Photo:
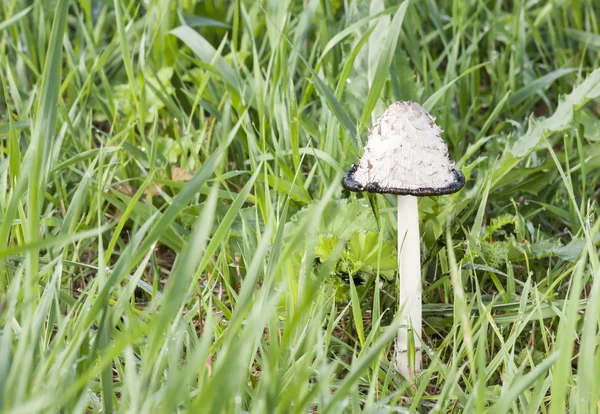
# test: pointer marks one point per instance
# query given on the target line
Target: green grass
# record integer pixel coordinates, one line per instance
(174, 235)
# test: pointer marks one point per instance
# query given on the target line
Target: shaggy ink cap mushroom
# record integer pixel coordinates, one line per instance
(405, 155)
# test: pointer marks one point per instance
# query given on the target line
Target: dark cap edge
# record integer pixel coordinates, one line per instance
(351, 184)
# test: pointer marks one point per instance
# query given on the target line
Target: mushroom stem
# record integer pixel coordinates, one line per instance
(409, 266)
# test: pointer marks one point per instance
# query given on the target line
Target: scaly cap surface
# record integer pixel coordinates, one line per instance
(405, 155)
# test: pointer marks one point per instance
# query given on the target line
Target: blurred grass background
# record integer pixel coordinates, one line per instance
(174, 236)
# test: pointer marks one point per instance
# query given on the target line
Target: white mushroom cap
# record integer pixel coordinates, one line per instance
(405, 154)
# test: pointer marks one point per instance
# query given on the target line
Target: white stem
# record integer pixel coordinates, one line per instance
(409, 265)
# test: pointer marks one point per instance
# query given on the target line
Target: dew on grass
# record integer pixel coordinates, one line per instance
(237, 400)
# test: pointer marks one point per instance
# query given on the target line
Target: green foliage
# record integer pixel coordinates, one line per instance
(124, 95)
(174, 236)
(349, 243)
(362, 259)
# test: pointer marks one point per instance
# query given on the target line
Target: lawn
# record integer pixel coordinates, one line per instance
(175, 237)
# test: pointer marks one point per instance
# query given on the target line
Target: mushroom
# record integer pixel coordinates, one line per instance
(405, 155)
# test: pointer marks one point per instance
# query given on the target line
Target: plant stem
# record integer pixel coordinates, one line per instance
(409, 266)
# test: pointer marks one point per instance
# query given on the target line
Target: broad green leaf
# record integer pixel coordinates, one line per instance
(561, 118)
(537, 85)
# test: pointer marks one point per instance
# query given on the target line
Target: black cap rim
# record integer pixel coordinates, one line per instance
(351, 184)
